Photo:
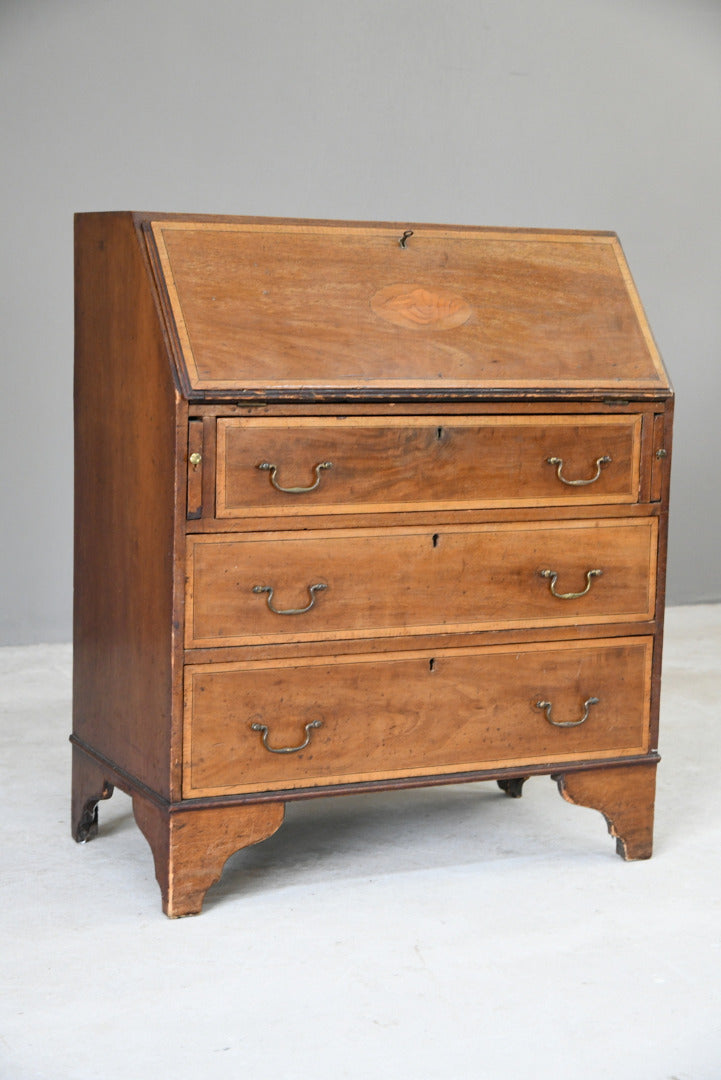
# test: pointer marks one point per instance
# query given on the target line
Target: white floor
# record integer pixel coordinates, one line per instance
(449, 932)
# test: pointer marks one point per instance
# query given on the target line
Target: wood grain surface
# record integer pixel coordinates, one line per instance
(259, 305)
(129, 432)
(416, 581)
(405, 714)
(409, 463)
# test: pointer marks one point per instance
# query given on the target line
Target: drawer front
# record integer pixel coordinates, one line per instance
(367, 718)
(412, 463)
(370, 583)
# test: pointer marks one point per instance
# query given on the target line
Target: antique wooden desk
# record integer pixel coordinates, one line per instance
(359, 507)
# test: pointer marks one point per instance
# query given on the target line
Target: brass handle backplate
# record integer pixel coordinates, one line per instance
(273, 470)
(286, 749)
(552, 576)
(546, 706)
(268, 590)
(558, 462)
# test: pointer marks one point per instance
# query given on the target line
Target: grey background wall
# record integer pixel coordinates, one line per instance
(553, 113)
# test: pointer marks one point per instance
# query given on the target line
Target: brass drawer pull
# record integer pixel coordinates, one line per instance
(600, 462)
(286, 749)
(546, 706)
(273, 470)
(268, 589)
(552, 575)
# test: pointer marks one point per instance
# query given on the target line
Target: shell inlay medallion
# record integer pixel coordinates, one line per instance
(418, 307)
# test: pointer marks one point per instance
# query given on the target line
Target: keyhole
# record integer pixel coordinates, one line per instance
(439, 433)
(435, 539)
(431, 664)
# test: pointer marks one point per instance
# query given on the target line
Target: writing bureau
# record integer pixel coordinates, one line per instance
(360, 507)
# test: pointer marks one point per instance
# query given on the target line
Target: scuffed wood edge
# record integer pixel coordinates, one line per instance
(625, 797)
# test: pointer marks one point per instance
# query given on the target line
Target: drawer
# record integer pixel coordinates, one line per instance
(366, 718)
(413, 463)
(382, 582)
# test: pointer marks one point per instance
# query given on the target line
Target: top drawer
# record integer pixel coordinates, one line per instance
(376, 464)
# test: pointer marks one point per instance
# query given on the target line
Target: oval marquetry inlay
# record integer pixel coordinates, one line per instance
(418, 307)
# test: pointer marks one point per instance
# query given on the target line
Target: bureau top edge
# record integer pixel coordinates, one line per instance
(424, 398)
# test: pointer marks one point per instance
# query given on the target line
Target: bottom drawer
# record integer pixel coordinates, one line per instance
(375, 717)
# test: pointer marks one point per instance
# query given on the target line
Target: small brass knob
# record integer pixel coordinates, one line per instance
(195, 459)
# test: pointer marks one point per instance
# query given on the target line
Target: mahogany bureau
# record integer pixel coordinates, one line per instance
(360, 507)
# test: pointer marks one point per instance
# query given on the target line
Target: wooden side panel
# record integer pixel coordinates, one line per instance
(660, 460)
(384, 582)
(412, 714)
(663, 431)
(125, 506)
(195, 469)
(412, 463)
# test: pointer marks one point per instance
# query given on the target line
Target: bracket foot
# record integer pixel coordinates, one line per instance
(90, 785)
(190, 847)
(513, 787)
(624, 794)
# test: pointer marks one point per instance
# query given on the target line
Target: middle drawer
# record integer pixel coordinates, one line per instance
(328, 585)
